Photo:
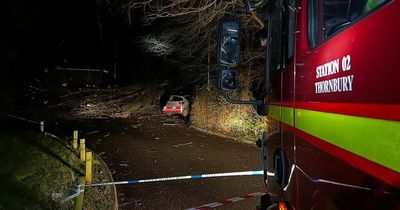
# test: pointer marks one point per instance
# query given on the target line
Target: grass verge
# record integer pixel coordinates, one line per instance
(38, 171)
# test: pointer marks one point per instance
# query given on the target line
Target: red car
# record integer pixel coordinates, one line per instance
(177, 105)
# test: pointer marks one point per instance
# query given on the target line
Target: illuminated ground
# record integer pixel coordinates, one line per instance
(152, 145)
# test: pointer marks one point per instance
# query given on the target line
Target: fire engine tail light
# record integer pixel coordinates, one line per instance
(282, 205)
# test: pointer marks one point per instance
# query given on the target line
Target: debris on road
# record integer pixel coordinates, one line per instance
(171, 124)
(181, 145)
(136, 126)
(151, 151)
(124, 204)
(93, 132)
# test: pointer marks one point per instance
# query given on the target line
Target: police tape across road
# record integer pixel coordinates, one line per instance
(197, 176)
(19, 118)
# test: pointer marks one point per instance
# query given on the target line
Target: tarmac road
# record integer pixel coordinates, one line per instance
(153, 145)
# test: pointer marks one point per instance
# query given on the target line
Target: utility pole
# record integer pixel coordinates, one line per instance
(115, 61)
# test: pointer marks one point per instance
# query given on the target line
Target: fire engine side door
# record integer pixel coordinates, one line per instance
(281, 145)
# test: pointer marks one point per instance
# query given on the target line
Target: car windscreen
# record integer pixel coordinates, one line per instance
(175, 98)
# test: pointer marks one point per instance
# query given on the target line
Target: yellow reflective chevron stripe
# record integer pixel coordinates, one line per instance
(275, 112)
(281, 113)
(374, 139)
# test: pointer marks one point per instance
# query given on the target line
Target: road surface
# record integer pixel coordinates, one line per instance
(152, 145)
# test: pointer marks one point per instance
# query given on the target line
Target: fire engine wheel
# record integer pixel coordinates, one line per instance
(185, 113)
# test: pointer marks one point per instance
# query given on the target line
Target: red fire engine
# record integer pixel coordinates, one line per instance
(333, 91)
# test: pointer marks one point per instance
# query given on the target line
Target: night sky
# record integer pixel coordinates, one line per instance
(45, 34)
(84, 33)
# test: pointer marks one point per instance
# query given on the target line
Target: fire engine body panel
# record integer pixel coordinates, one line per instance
(336, 99)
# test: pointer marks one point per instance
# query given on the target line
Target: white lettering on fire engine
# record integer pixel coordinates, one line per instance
(327, 69)
(341, 84)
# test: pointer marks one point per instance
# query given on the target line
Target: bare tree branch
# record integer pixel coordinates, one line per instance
(158, 45)
(190, 31)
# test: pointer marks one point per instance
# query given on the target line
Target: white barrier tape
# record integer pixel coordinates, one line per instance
(228, 201)
(52, 135)
(20, 118)
(198, 176)
(76, 194)
(270, 173)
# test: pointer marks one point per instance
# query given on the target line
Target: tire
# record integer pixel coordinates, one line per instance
(265, 202)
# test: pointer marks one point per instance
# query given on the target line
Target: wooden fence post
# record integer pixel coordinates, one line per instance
(75, 140)
(78, 205)
(42, 126)
(82, 148)
(88, 167)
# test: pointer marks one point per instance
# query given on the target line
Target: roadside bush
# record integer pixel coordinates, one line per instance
(212, 112)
